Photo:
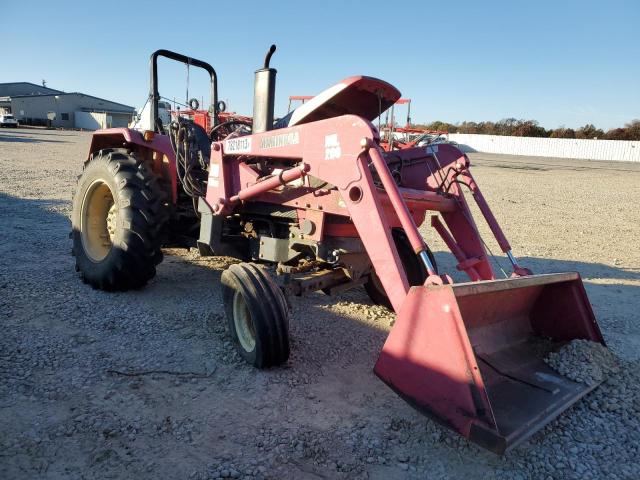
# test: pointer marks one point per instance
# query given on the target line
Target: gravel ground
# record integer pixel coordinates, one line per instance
(585, 362)
(147, 385)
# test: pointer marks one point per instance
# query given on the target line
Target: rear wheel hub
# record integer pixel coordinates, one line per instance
(99, 217)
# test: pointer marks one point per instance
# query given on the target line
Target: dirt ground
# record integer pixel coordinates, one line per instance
(146, 384)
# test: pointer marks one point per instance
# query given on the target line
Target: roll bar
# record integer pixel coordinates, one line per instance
(153, 91)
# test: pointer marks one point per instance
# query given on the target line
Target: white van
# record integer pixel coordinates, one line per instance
(7, 120)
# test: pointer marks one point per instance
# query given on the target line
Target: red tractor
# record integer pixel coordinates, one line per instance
(312, 202)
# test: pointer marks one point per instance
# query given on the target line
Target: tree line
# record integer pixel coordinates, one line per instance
(530, 128)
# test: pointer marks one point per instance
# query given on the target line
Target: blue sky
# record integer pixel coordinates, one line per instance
(560, 62)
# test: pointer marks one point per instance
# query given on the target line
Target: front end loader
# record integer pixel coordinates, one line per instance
(312, 202)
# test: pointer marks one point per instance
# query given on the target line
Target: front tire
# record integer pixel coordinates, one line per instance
(257, 315)
(119, 210)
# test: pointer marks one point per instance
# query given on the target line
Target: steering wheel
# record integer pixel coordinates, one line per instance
(223, 130)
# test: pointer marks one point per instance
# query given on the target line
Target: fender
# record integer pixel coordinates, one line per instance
(157, 151)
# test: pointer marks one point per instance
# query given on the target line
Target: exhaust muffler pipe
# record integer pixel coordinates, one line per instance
(264, 94)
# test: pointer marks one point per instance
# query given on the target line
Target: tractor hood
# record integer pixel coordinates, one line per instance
(366, 97)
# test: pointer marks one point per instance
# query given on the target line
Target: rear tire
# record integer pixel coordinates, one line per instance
(415, 271)
(257, 315)
(119, 210)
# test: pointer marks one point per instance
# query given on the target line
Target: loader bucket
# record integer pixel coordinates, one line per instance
(471, 355)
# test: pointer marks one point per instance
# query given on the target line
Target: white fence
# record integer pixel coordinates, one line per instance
(620, 150)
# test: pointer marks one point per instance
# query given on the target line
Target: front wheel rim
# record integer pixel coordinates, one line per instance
(245, 330)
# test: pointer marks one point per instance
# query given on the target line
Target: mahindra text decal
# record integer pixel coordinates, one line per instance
(332, 148)
(238, 145)
(282, 140)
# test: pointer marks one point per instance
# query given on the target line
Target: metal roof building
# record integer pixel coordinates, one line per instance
(24, 88)
(8, 90)
(33, 104)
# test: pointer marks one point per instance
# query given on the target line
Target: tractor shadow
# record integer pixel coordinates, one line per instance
(614, 292)
(447, 264)
(40, 131)
(29, 137)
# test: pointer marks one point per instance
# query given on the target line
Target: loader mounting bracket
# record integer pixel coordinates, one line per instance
(210, 242)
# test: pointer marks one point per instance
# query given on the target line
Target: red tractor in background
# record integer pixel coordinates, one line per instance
(313, 202)
(408, 136)
(203, 118)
